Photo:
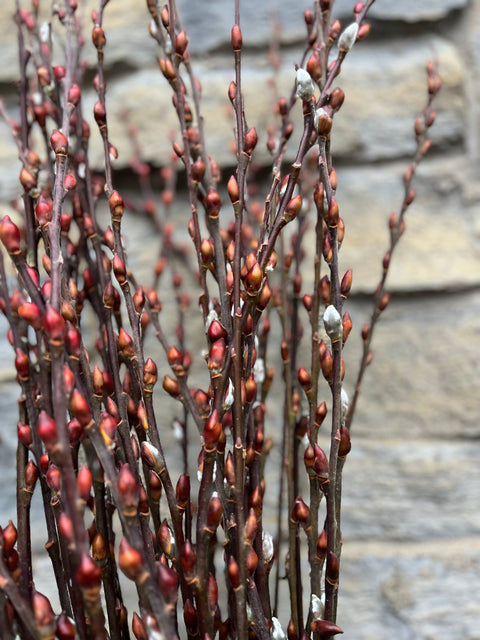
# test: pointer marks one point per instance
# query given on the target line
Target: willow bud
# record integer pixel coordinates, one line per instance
(348, 37)
(237, 40)
(305, 87)
(332, 321)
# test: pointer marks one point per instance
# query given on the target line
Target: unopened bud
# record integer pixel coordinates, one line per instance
(385, 299)
(212, 430)
(116, 206)
(347, 326)
(213, 203)
(305, 379)
(152, 457)
(54, 324)
(43, 612)
(31, 476)
(100, 114)
(232, 91)
(149, 374)
(345, 444)
(234, 573)
(325, 628)
(74, 94)
(181, 43)
(293, 208)
(336, 98)
(333, 213)
(232, 188)
(27, 179)
(98, 37)
(59, 143)
(10, 235)
(236, 37)
(322, 122)
(88, 572)
(363, 31)
(300, 513)
(250, 141)
(346, 283)
(130, 560)
(314, 66)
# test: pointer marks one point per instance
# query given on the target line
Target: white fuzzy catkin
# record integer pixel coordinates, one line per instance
(332, 321)
(267, 546)
(178, 430)
(345, 401)
(348, 37)
(317, 607)
(45, 32)
(277, 633)
(229, 396)
(259, 370)
(305, 87)
(212, 315)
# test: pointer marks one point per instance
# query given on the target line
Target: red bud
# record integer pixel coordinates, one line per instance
(44, 616)
(293, 208)
(54, 324)
(47, 428)
(232, 188)
(74, 94)
(236, 37)
(84, 482)
(212, 430)
(24, 434)
(65, 627)
(31, 476)
(250, 141)
(181, 43)
(30, 312)
(128, 490)
(10, 235)
(130, 560)
(80, 408)
(88, 572)
(59, 143)
(100, 114)
(138, 627)
(22, 364)
(98, 37)
(325, 628)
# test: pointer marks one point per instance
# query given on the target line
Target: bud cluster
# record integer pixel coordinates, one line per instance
(90, 339)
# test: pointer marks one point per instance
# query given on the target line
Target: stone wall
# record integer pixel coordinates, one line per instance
(411, 521)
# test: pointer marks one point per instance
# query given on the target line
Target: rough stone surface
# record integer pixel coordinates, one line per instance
(424, 378)
(385, 92)
(366, 199)
(413, 490)
(387, 87)
(412, 11)
(405, 591)
(209, 26)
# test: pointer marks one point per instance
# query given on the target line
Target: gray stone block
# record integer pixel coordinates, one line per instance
(426, 258)
(407, 591)
(423, 381)
(413, 11)
(418, 489)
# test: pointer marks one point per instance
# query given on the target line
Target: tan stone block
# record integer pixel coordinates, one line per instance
(423, 381)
